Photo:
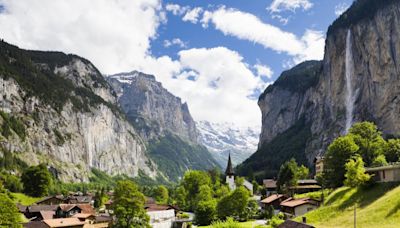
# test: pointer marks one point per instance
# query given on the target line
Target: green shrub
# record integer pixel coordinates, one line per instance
(229, 223)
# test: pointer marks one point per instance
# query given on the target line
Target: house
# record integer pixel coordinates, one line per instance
(306, 185)
(51, 200)
(68, 210)
(319, 165)
(294, 224)
(161, 216)
(270, 186)
(388, 173)
(298, 207)
(230, 178)
(274, 200)
(80, 199)
(64, 222)
(36, 212)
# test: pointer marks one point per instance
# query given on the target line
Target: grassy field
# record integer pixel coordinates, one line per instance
(24, 199)
(249, 224)
(378, 206)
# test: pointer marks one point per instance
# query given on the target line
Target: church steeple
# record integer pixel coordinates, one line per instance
(229, 169)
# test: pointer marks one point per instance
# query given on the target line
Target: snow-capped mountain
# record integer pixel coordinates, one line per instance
(224, 138)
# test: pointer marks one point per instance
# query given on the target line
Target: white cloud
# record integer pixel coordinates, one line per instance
(176, 9)
(176, 41)
(340, 8)
(193, 15)
(292, 5)
(246, 26)
(221, 86)
(116, 35)
(283, 20)
(263, 70)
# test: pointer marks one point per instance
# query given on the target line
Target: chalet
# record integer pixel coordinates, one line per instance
(294, 224)
(270, 186)
(38, 212)
(64, 222)
(79, 199)
(274, 200)
(51, 200)
(297, 207)
(388, 173)
(306, 185)
(68, 210)
(161, 215)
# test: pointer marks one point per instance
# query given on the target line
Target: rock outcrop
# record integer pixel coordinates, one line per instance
(151, 108)
(68, 114)
(319, 104)
(164, 122)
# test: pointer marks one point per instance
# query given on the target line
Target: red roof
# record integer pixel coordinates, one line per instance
(272, 198)
(298, 202)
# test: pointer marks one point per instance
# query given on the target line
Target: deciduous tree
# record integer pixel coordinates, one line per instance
(129, 206)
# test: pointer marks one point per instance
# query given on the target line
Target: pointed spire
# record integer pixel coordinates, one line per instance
(229, 169)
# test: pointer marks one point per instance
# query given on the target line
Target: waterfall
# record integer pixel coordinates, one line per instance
(350, 98)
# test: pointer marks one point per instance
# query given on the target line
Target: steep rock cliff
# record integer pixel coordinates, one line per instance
(164, 122)
(301, 123)
(67, 116)
(151, 108)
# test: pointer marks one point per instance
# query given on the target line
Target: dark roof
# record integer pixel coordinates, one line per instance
(35, 224)
(38, 208)
(229, 168)
(85, 208)
(50, 197)
(103, 218)
(297, 202)
(293, 224)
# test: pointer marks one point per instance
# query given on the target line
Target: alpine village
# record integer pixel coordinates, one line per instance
(82, 145)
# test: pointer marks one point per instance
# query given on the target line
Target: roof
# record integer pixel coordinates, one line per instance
(229, 168)
(309, 186)
(63, 222)
(21, 208)
(293, 224)
(82, 215)
(50, 197)
(47, 214)
(157, 207)
(85, 208)
(386, 167)
(35, 224)
(80, 199)
(298, 202)
(269, 183)
(38, 208)
(103, 218)
(307, 181)
(272, 198)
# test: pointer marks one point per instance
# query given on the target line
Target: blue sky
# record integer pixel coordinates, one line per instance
(218, 56)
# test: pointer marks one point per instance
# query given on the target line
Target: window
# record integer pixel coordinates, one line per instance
(383, 173)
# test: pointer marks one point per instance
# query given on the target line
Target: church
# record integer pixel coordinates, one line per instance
(230, 178)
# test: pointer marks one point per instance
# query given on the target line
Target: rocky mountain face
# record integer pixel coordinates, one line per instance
(151, 108)
(309, 105)
(163, 121)
(58, 109)
(224, 138)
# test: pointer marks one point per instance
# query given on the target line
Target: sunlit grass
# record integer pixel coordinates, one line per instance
(378, 206)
